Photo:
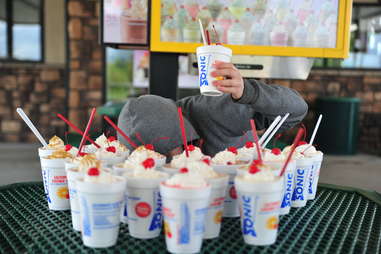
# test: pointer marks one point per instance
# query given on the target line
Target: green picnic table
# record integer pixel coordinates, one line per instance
(339, 220)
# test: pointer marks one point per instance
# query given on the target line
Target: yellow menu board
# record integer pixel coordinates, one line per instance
(305, 28)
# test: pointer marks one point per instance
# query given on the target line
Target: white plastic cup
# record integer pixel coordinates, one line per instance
(216, 206)
(301, 182)
(314, 176)
(206, 57)
(55, 182)
(43, 152)
(288, 183)
(144, 206)
(100, 206)
(231, 202)
(259, 203)
(72, 176)
(184, 217)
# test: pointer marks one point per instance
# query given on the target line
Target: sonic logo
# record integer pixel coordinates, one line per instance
(247, 220)
(298, 191)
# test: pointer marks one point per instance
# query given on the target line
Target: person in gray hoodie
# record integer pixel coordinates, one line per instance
(219, 122)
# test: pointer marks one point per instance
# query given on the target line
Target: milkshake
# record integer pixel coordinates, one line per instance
(185, 204)
(259, 193)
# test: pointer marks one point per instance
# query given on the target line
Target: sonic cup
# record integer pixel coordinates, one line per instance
(216, 206)
(100, 205)
(231, 202)
(72, 176)
(259, 203)
(184, 212)
(144, 206)
(288, 183)
(301, 181)
(206, 57)
(55, 182)
(43, 152)
(314, 175)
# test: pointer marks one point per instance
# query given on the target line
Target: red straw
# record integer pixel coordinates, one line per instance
(92, 115)
(216, 34)
(183, 130)
(255, 136)
(77, 130)
(294, 144)
(120, 131)
(207, 36)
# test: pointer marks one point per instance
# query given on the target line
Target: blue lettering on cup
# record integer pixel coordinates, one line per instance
(311, 180)
(45, 177)
(298, 191)
(247, 221)
(184, 227)
(287, 195)
(157, 217)
(86, 227)
(203, 70)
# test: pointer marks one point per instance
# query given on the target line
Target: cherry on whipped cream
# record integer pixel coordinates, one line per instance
(191, 148)
(253, 169)
(276, 151)
(249, 144)
(93, 172)
(206, 161)
(111, 139)
(111, 149)
(68, 147)
(148, 163)
(183, 170)
(149, 147)
(300, 143)
(232, 149)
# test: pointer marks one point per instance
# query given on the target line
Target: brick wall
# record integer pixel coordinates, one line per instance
(365, 85)
(85, 61)
(40, 91)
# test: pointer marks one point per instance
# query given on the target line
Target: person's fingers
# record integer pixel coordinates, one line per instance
(225, 73)
(226, 89)
(227, 83)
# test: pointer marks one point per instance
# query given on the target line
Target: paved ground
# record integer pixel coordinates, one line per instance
(19, 163)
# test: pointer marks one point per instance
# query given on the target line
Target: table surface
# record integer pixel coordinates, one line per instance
(339, 220)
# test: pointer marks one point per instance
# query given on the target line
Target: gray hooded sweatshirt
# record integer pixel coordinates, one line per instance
(219, 121)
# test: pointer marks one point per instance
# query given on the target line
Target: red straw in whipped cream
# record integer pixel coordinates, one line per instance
(255, 136)
(120, 132)
(88, 126)
(294, 145)
(77, 129)
(183, 134)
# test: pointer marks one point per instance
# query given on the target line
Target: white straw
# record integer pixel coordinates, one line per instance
(31, 126)
(202, 32)
(268, 131)
(315, 130)
(275, 130)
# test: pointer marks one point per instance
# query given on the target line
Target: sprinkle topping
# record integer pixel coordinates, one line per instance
(93, 172)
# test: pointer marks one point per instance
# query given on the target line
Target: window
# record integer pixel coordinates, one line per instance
(126, 73)
(365, 45)
(21, 31)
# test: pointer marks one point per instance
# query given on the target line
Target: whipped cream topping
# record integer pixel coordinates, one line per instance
(105, 142)
(269, 156)
(201, 168)
(56, 143)
(104, 176)
(261, 176)
(86, 162)
(302, 151)
(141, 153)
(180, 161)
(194, 152)
(224, 158)
(186, 180)
(246, 151)
(145, 173)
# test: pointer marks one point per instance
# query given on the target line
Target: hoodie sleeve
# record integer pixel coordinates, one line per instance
(230, 117)
(271, 101)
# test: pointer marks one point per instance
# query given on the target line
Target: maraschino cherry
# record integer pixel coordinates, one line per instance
(93, 172)
(148, 163)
